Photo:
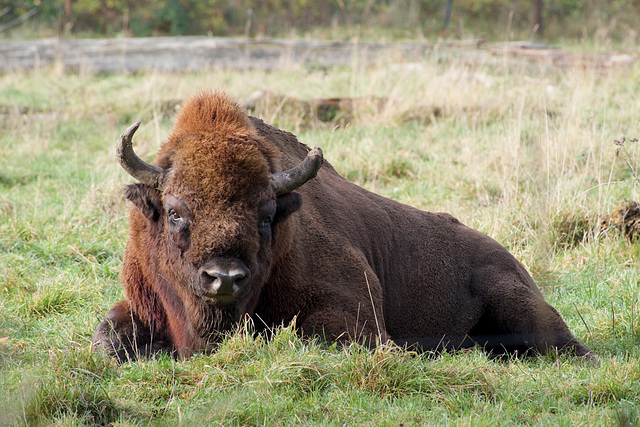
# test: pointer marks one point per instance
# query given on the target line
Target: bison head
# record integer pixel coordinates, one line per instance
(209, 215)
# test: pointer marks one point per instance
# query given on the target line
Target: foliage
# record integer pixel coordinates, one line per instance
(495, 19)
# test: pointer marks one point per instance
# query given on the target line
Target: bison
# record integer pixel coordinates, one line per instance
(237, 219)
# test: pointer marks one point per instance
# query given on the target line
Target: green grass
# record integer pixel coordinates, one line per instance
(523, 153)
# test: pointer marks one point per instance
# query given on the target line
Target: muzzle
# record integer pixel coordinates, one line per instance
(224, 279)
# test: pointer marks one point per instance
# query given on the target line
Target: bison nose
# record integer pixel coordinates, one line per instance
(224, 278)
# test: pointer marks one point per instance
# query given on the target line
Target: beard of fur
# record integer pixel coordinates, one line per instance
(217, 322)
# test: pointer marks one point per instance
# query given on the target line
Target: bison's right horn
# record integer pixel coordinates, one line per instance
(286, 181)
(151, 175)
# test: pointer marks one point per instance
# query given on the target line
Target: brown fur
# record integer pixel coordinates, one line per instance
(349, 264)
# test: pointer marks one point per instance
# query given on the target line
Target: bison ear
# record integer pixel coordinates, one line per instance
(148, 200)
(286, 205)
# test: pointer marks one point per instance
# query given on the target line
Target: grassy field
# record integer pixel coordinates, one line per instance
(523, 153)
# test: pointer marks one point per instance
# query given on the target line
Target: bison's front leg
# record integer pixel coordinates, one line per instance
(337, 324)
(122, 335)
(352, 315)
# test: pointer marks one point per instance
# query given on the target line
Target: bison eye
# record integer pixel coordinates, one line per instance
(266, 221)
(174, 217)
(179, 215)
(266, 214)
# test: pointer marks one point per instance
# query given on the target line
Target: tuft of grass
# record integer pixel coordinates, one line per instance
(626, 415)
(572, 228)
(72, 387)
(49, 301)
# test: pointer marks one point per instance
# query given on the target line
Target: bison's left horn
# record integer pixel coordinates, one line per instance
(151, 175)
(286, 181)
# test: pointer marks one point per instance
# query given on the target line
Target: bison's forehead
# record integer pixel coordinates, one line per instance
(215, 169)
(223, 231)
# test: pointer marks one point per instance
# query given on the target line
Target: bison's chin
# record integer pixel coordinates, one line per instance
(221, 301)
(216, 320)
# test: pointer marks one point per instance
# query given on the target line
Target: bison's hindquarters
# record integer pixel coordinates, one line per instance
(515, 316)
(517, 319)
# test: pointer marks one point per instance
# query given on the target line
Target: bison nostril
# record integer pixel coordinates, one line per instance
(221, 279)
(217, 280)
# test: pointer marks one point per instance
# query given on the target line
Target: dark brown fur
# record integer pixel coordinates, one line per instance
(348, 264)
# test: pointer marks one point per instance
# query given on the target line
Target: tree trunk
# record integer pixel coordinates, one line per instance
(447, 14)
(68, 17)
(538, 22)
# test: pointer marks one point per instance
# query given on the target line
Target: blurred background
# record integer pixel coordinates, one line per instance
(612, 23)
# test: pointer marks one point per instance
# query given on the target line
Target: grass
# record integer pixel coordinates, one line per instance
(523, 153)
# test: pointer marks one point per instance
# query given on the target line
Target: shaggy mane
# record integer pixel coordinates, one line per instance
(212, 116)
(211, 111)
